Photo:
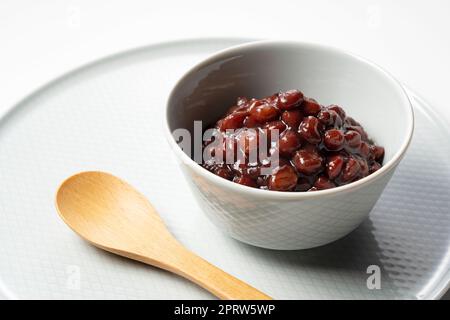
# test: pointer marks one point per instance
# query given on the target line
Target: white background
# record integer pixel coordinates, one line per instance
(40, 40)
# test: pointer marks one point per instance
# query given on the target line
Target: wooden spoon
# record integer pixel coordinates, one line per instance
(112, 215)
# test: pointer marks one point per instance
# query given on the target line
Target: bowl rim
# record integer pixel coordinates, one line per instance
(289, 195)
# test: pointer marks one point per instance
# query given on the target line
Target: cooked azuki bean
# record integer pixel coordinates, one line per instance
(252, 172)
(353, 139)
(241, 105)
(351, 170)
(317, 147)
(309, 130)
(351, 122)
(360, 130)
(249, 122)
(275, 125)
(292, 118)
(307, 163)
(323, 183)
(289, 99)
(233, 121)
(364, 149)
(310, 107)
(246, 181)
(333, 139)
(334, 166)
(378, 152)
(330, 118)
(224, 171)
(264, 112)
(288, 143)
(283, 179)
(374, 167)
(338, 110)
(364, 167)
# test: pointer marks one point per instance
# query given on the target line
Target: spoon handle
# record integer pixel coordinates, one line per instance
(179, 260)
(213, 279)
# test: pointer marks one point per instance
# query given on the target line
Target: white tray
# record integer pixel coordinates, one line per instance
(108, 116)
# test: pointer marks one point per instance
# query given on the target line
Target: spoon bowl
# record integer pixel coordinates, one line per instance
(112, 215)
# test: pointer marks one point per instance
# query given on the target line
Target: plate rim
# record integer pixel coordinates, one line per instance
(441, 287)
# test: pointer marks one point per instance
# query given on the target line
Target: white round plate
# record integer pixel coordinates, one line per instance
(108, 116)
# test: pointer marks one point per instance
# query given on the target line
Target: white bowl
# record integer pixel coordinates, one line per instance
(291, 220)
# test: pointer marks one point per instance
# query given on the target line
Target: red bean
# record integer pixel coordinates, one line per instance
(289, 142)
(364, 167)
(269, 128)
(309, 130)
(323, 183)
(289, 99)
(233, 121)
(307, 163)
(273, 99)
(224, 171)
(317, 147)
(375, 167)
(310, 107)
(334, 166)
(378, 152)
(249, 122)
(277, 124)
(330, 118)
(353, 139)
(338, 110)
(252, 172)
(351, 170)
(264, 112)
(283, 179)
(364, 149)
(360, 130)
(333, 139)
(292, 118)
(351, 122)
(246, 181)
